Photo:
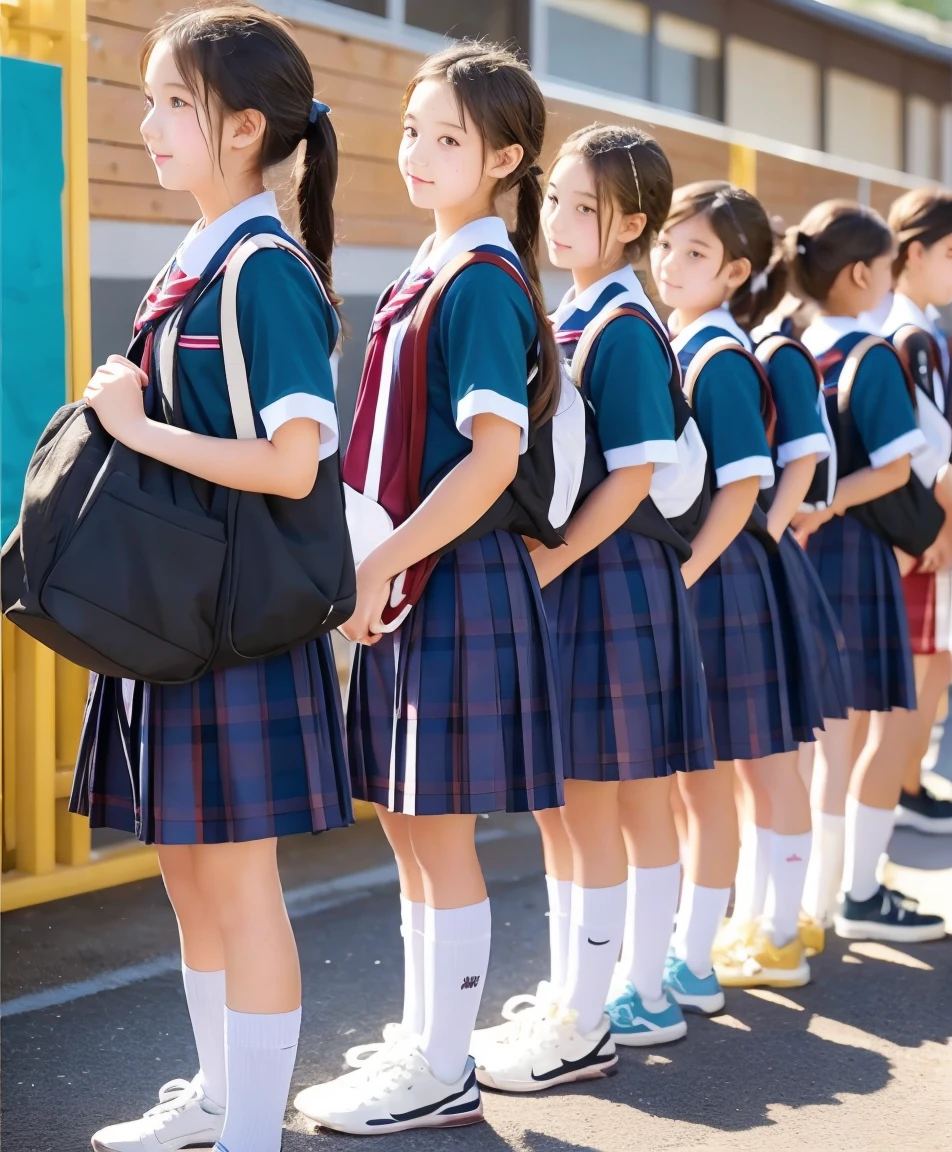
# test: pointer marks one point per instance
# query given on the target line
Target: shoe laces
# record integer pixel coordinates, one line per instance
(174, 1098)
(899, 900)
(361, 1054)
(391, 1067)
(527, 1001)
(538, 1028)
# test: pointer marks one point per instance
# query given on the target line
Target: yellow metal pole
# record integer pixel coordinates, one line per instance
(742, 167)
(73, 53)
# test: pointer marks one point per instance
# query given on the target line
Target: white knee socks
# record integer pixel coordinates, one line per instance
(205, 996)
(825, 869)
(753, 867)
(595, 936)
(699, 918)
(560, 908)
(788, 869)
(649, 922)
(868, 831)
(260, 1050)
(456, 956)
(412, 915)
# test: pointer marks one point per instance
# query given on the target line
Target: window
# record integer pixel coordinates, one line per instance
(863, 120)
(772, 93)
(374, 7)
(922, 131)
(687, 66)
(602, 43)
(500, 20)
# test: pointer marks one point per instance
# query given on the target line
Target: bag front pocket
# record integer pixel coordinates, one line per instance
(148, 565)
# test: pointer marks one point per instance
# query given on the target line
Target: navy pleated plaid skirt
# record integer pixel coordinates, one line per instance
(861, 578)
(242, 754)
(818, 671)
(457, 711)
(634, 701)
(738, 620)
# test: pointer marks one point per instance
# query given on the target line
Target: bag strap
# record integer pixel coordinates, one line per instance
(712, 348)
(771, 345)
(851, 365)
(907, 341)
(414, 349)
(594, 330)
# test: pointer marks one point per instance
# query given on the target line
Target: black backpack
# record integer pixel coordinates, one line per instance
(655, 517)
(131, 568)
(910, 518)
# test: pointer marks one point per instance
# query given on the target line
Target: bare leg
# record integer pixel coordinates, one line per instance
(712, 825)
(932, 681)
(557, 851)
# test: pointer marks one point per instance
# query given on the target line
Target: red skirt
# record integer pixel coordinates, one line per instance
(928, 597)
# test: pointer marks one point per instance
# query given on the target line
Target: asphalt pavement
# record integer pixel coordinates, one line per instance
(95, 1019)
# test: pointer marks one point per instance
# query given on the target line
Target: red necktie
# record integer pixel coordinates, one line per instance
(160, 301)
(400, 299)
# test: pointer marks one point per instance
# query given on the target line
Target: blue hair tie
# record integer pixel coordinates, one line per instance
(317, 109)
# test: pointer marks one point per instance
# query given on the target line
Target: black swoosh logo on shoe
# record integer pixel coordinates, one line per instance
(594, 1057)
(597, 943)
(429, 1109)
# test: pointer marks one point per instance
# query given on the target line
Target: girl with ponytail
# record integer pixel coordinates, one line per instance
(716, 263)
(213, 771)
(453, 710)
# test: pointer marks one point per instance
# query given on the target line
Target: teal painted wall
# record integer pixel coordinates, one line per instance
(32, 316)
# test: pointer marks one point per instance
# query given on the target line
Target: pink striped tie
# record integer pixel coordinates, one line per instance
(161, 300)
(568, 336)
(400, 299)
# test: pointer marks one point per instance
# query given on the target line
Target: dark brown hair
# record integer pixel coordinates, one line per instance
(832, 236)
(924, 214)
(234, 57)
(743, 227)
(496, 92)
(631, 174)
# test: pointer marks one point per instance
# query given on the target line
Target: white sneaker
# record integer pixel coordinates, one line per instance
(182, 1117)
(392, 1093)
(546, 996)
(314, 1101)
(545, 1050)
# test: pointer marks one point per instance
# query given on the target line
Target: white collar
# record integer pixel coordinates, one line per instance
(476, 234)
(906, 311)
(716, 318)
(586, 301)
(825, 331)
(201, 244)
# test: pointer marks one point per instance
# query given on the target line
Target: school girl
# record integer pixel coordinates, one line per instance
(216, 769)
(842, 255)
(922, 276)
(634, 701)
(713, 263)
(455, 713)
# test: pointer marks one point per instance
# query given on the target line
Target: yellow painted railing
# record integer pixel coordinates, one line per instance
(46, 851)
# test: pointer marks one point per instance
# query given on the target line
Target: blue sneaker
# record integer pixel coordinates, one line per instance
(695, 993)
(634, 1026)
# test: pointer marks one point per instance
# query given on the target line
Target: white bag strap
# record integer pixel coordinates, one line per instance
(851, 365)
(236, 372)
(623, 304)
(703, 357)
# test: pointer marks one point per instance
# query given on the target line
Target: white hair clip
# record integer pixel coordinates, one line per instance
(759, 282)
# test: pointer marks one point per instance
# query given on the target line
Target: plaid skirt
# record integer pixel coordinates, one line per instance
(634, 701)
(928, 597)
(738, 620)
(818, 671)
(241, 754)
(457, 711)
(861, 578)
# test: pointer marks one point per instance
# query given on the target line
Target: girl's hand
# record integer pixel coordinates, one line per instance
(373, 591)
(906, 562)
(115, 394)
(938, 556)
(804, 524)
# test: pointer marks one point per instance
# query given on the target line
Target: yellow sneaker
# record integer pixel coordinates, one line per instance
(812, 934)
(731, 937)
(761, 964)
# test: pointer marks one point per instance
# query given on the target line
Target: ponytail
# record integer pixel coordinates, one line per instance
(525, 240)
(315, 196)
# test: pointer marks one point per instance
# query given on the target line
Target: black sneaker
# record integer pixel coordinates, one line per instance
(924, 812)
(886, 915)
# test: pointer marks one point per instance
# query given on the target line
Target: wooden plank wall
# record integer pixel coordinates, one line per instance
(363, 82)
